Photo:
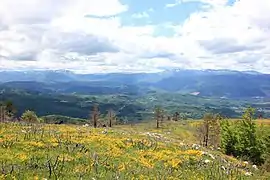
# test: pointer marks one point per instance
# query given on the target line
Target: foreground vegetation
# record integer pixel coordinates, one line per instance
(166, 148)
(43, 151)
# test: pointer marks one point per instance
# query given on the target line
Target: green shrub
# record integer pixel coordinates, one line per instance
(30, 117)
(240, 139)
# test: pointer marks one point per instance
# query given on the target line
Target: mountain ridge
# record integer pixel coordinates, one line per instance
(211, 83)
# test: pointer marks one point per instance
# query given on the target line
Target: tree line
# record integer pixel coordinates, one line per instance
(8, 111)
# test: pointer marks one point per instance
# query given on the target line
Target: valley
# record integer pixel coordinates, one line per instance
(134, 96)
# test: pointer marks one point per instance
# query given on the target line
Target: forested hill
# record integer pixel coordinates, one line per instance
(133, 97)
(128, 107)
(210, 83)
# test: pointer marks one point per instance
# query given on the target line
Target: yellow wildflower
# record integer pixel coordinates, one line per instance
(175, 162)
(36, 144)
(193, 152)
(122, 167)
(22, 157)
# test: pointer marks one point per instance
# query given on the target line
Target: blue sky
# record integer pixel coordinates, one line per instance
(158, 12)
(135, 35)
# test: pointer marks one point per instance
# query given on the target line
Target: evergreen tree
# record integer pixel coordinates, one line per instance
(240, 138)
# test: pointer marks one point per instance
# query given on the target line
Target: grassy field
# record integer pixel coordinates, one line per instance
(263, 121)
(140, 151)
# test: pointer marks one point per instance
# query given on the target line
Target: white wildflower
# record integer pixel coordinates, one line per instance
(105, 131)
(212, 156)
(207, 161)
(86, 125)
(223, 168)
(181, 144)
(254, 166)
(196, 146)
(204, 153)
(248, 174)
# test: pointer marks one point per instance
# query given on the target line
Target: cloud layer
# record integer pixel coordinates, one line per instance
(90, 36)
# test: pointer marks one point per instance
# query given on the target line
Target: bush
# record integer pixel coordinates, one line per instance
(240, 139)
(30, 117)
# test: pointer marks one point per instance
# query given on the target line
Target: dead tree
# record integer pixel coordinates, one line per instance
(2, 113)
(158, 116)
(209, 130)
(7, 111)
(111, 117)
(162, 118)
(176, 116)
(95, 115)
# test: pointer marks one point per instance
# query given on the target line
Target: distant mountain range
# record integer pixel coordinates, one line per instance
(210, 83)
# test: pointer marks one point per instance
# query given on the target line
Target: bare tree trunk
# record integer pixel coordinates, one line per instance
(110, 117)
(161, 119)
(206, 134)
(158, 116)
(2, 114)
(176, 116)
(95, 115)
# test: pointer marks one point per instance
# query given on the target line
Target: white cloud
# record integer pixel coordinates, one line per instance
(208, 3)
(59, 35)
(232, 34)
(170, 5)
(40, 11)
(214, 3)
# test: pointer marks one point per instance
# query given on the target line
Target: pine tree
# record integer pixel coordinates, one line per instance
(249, 141)
(240, 138)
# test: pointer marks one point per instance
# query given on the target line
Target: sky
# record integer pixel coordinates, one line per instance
(95, 36)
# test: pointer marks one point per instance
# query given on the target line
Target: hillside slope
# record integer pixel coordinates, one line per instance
(136, 152)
